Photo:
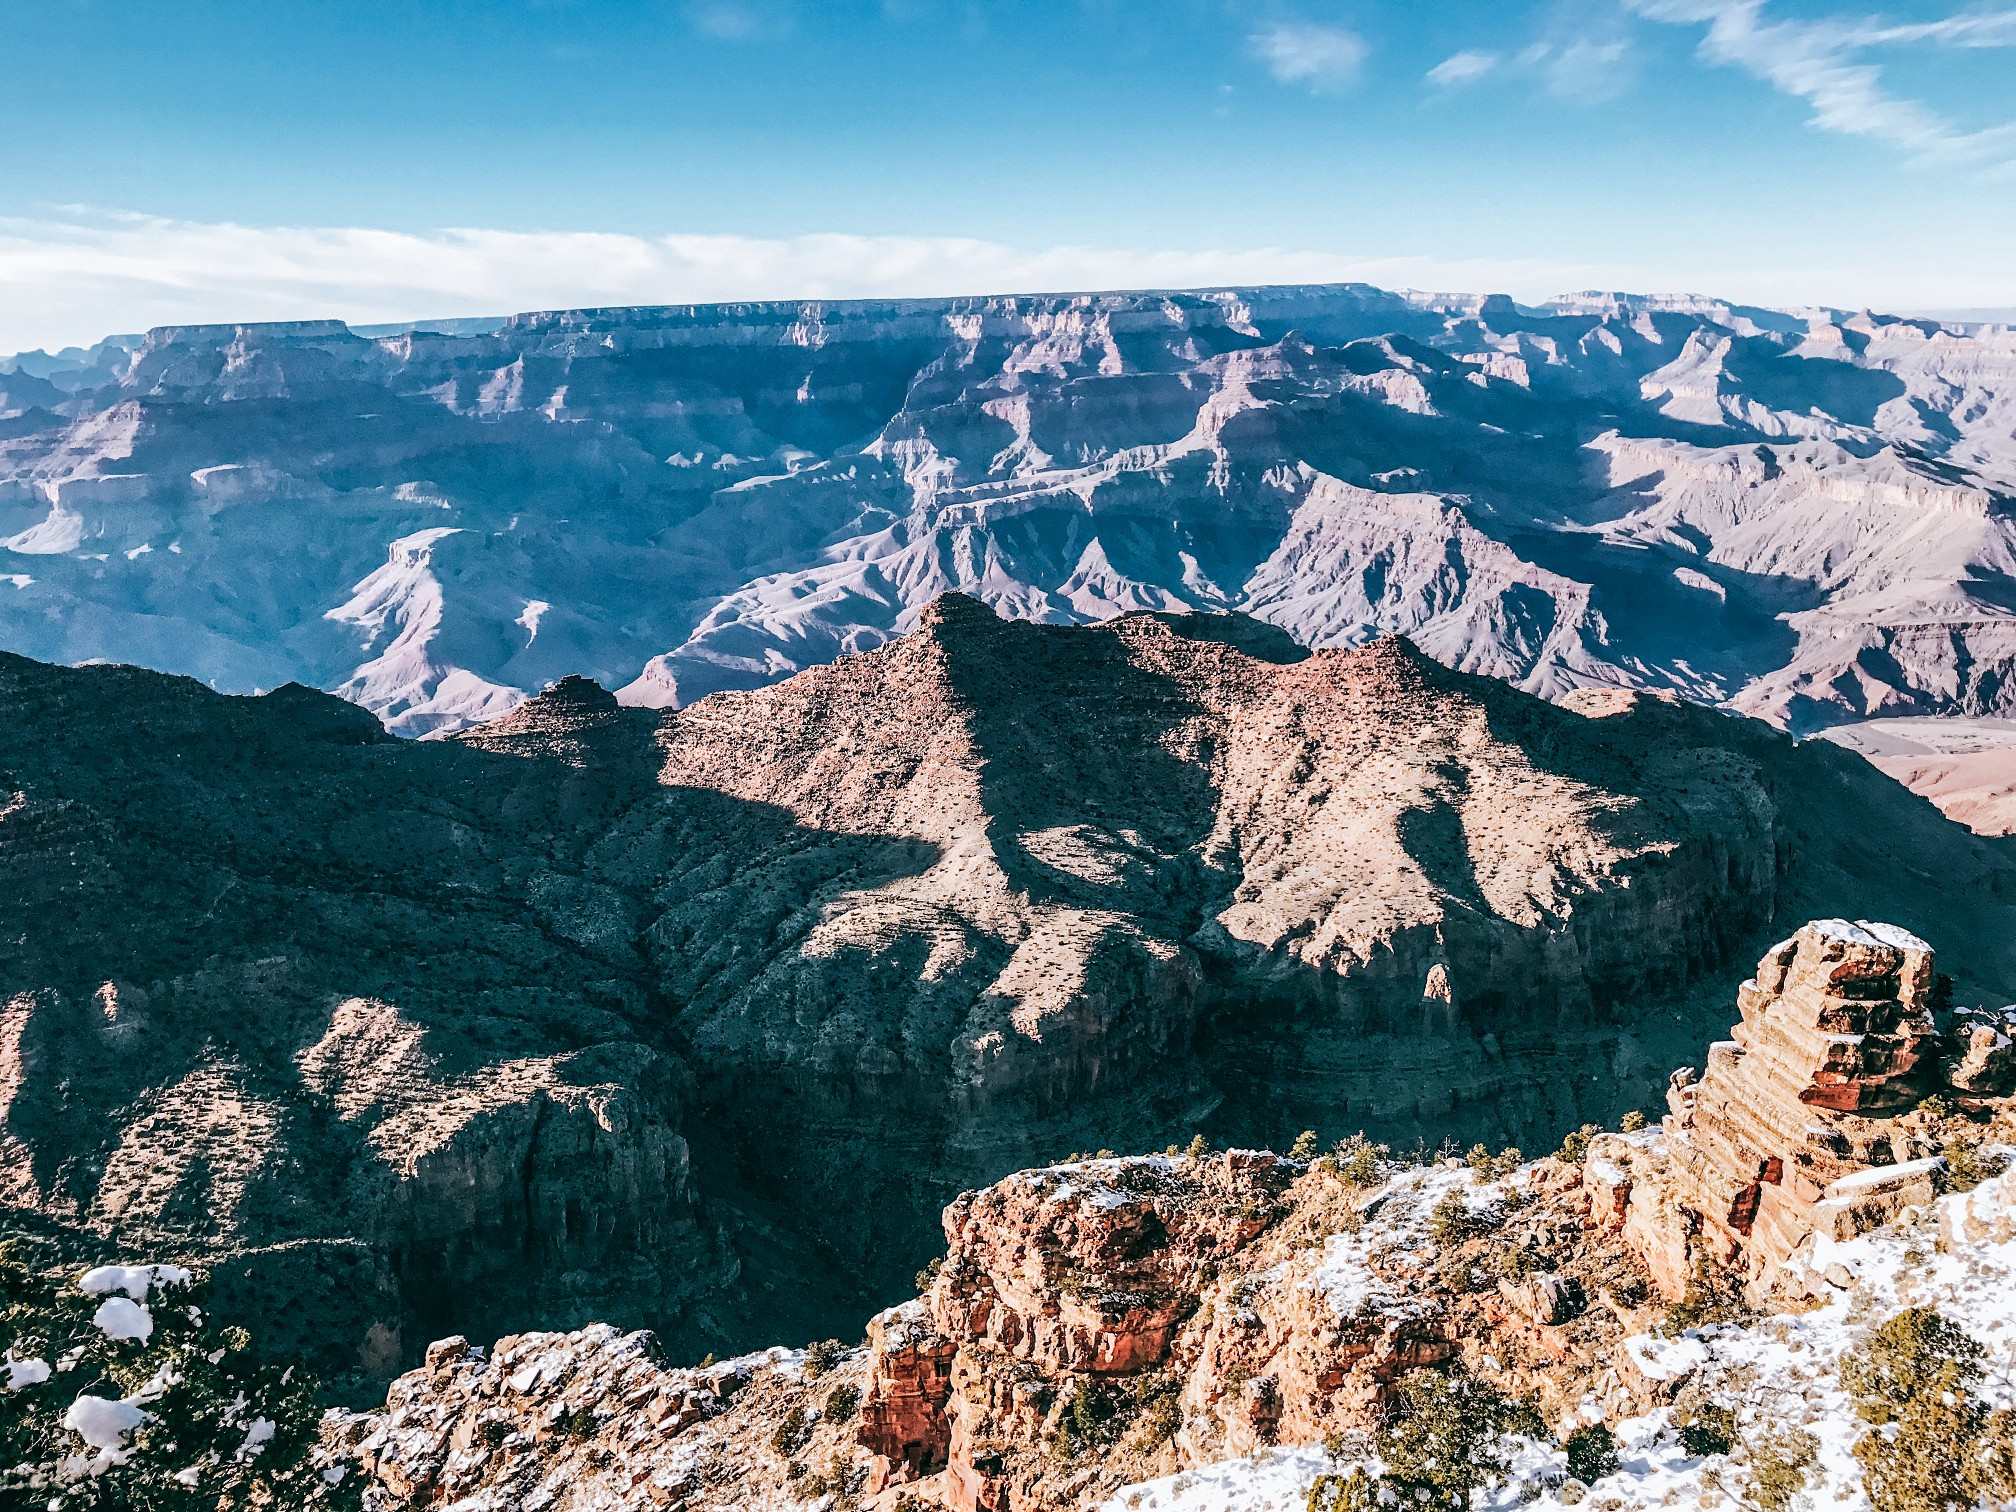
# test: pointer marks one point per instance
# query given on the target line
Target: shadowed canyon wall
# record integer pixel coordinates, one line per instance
(695, 1019)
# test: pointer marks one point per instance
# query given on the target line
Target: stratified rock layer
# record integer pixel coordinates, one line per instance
(696, 1019)
(1798, 1126)
(1807, 514)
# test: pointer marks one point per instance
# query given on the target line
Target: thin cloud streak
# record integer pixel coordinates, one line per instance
(72, 281)
(1324, 58)
(1823, 63)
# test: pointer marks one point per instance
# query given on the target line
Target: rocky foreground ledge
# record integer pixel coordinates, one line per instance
(1232, 1329)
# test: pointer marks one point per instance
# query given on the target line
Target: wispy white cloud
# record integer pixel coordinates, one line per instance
(1587, 69)
(1827, 64)
(1323, 58)
(1579, 60)
(739, 20)
(70, 280)
(1465, 67)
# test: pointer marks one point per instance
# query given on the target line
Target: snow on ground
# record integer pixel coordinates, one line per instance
(101, 1422)
(134, 1280)
(1777, 1373)
(123, 1318)
(22, 1373)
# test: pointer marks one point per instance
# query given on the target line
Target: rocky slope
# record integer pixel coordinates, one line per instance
(1805, 514)
(1220, 1329)
(695, 1019)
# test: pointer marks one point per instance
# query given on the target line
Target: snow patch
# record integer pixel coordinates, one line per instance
(136, 1281)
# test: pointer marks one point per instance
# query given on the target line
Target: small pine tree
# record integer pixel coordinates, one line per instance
(1778, 1465)
(1451, 1221)
(1708, 1428)
(1633, 1121)
(1200, 1147)
(1576, 1145)
(1304, 1147)
(1360, 1162)
(823, 1356)
(1445, 1436)
(1592, 1453)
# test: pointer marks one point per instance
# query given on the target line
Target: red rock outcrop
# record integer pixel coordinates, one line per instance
(1795, 1128)
(903, 1422)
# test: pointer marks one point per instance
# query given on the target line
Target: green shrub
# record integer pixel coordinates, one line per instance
(1159, 1401)
(1452, 1220)
(1707, 1428)
(841, 1403)
(822, 1357)
(1576, 1145)
(1444, 1435)
(1354, 1491)
(1592, 1453)
(1967, 1164)
(205, 1428)
(1490, 1167)
(1915, 1353)
(1304, 1147)
(1712, 1297)
(1633, 1122)
(1200, 1147)
(1778, 1465)
(926, 1276)
(1934, 1444)
(1088, 1419)
(1359, 1161)
(792, 1434)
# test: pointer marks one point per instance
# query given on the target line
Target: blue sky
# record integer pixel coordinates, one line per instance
(176, 161)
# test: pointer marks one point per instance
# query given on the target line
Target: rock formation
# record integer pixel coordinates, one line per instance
(1109, 1321)
(1724, 501)
(697, 1018)
(1803, 1124)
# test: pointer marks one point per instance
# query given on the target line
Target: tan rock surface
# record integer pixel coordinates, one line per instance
(1802, 1124)
(697, 1019)
(1966, 766)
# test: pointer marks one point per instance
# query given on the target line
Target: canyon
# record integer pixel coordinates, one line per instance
(693, 1019)
(1233, 1328)
(1804, 515)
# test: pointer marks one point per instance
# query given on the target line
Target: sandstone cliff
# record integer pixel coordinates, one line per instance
(696, 1019)
(1240, 1322)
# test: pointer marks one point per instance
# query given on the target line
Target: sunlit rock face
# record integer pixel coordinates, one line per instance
(1806, 515)
(694, 1018)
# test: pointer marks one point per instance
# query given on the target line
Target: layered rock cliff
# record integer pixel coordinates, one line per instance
(1804, 513)
(695, 1019)
(1220, 1329)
